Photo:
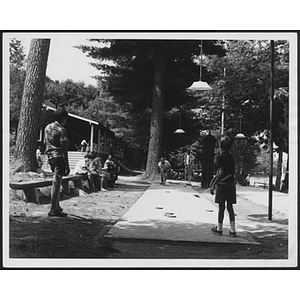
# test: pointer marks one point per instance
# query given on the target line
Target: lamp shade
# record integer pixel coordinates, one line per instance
(199, 86)
(179, 131)
(240, 136)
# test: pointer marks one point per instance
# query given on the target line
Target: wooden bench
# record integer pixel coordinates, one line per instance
(30, 187)
(262, 184)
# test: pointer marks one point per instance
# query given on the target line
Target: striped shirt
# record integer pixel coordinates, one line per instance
(54, 135)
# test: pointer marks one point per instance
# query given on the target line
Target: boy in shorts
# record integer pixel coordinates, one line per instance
(57, 152)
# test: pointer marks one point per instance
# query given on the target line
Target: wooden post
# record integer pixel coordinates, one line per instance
(105, 140)
(99, 140)
(271, 131)
(32, 195)
(41, 135)
(92, 138)
(65, 187)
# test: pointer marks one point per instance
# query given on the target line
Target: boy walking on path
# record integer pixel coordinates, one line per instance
(57, 152)
(225, 186)
(164, 168)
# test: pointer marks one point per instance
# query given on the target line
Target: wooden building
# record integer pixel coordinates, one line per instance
(100, 139)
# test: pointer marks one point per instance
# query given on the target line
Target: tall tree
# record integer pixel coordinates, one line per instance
(29, 122)
(150, 76)
(156, 122)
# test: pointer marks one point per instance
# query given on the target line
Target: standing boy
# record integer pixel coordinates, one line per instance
(57, 152)
(225, 186)
(188, 166)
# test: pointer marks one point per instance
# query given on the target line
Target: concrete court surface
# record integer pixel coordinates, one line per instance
(176, 213)
(281, 201)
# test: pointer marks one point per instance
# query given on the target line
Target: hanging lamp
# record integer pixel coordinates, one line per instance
(240, 135)
(179, 130)
(200, 85)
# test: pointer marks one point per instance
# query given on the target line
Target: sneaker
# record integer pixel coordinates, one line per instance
(216, 231)
(57, 214)
(233, 234)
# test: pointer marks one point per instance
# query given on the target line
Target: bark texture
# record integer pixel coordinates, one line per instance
(29, 122)
(156, 126)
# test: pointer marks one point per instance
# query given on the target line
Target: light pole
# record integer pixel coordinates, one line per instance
(223, 106)
(271, 130)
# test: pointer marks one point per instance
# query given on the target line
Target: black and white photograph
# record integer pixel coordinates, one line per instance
(150, 149)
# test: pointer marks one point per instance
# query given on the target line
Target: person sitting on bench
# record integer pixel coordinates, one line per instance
(83, 167)
(96, 169)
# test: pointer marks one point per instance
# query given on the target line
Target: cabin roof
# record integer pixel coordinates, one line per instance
(48, 107)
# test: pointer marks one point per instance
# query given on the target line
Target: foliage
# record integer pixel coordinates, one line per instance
(130, 77)
(242, 79)
(127, 73)
(245, 154)
(72, 95)
(246, 85)
(16, 54)
(262, 163)
(16, 81)
(176, 157)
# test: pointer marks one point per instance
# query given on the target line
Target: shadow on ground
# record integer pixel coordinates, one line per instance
(69, 237)
(82, 234)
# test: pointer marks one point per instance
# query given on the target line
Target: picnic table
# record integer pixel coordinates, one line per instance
(30, 187)
(265, 185)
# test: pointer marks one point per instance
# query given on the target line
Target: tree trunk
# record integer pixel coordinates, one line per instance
(156, 125)
(29, 122)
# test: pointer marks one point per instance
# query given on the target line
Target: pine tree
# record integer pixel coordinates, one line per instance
(26, 144)
(149, 76)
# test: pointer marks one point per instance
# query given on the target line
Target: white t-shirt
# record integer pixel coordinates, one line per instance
(81, 167)
(165, 165)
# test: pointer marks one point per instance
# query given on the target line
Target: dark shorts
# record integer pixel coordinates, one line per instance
(189, 170)
(225, 192)
(57, 165)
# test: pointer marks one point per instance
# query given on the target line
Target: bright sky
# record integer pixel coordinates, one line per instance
(65, 61)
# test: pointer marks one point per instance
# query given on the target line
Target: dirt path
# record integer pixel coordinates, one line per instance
(80, 235)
